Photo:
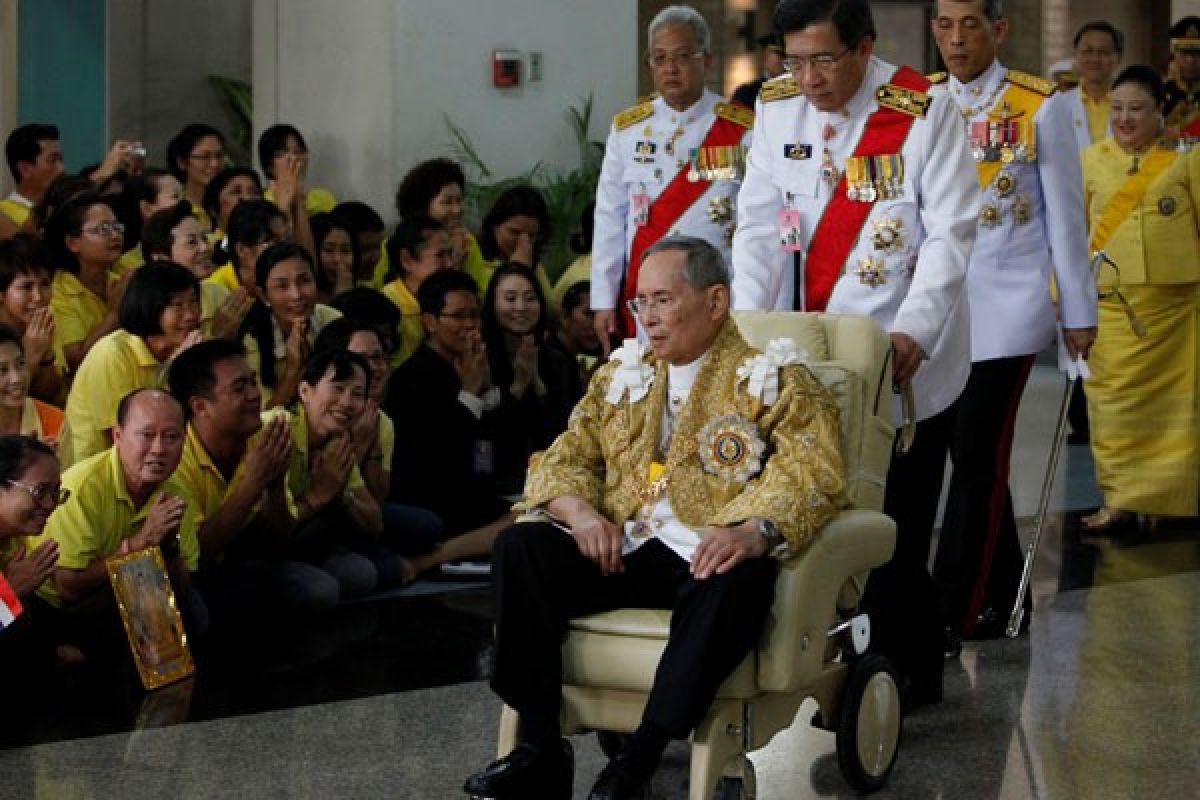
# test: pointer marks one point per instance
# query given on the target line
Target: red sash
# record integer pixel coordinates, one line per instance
(669, 206)
(843, 219)
(1192, 131)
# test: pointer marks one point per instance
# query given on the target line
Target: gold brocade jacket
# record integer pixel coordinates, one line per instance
(605, 455)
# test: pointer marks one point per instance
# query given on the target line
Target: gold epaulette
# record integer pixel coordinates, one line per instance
(937, 77)
(633, 115)
(907, 101)
(735, 114)
(1031, 82)
(778, 89)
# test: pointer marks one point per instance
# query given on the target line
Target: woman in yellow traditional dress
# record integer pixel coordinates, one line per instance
(1142, 195)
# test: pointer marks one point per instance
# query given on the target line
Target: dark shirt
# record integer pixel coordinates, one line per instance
(1181, 107)
(747, 94)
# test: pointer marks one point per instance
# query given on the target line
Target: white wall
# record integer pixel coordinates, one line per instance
(369, 82)
(1183, 8)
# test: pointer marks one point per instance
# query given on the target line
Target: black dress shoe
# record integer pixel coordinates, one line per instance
(527, 773)
(618, 782)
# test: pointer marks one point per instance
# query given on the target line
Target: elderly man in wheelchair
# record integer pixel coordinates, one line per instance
(689, 473)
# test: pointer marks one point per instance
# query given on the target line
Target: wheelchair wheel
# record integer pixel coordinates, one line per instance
(869, 724)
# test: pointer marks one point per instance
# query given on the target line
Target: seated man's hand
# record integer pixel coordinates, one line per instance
(722, 549)
(599, 540)
(908, 358)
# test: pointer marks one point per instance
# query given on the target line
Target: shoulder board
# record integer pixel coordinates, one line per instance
(1031, 82)
(778, 89)
(735, 114)
(633, 115)
(907, 101)
(937, 77)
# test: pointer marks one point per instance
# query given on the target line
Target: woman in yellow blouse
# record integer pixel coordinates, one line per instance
(25, 307)
(420, 248)
(1142, 196)
(514, 229)
(194, 157)
(154, 190)
(284, 321)
(20, 413)
(227, 188)
(83, 241)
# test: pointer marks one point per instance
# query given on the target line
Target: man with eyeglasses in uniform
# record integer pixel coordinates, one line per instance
(672, 164)
(859, 198)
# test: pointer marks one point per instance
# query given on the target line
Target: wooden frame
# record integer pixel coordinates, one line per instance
(151, 617)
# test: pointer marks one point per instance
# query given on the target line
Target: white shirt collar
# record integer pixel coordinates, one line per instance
(680, 378)
(863, 100)
(20, 199)
(974, 91)
(695, 111)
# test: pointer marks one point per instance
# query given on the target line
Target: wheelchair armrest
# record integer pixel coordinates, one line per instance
(793, 645)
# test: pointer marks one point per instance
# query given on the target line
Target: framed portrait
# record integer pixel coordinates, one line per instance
(151, 617)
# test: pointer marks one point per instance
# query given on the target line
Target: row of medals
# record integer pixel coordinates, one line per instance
(1004, 140)
(868, 178)
(717, 163)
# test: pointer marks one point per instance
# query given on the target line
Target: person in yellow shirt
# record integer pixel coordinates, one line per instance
(420, 247)
(194, 157)
(254, 225)
(338, 260)
(25, 307)
(515, 229)
(119, 501)
(581, 268)
(35, 159)
(175, 235)
(160, 315)
(1098, 49)
(20, 413)
(83, 240)
(227, 188)
(274, 145)
(152, 191)
(1142, 196)
(281, 326)
(370, 232)
(434, 189)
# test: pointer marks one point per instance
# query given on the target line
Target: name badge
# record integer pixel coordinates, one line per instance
(789, 230)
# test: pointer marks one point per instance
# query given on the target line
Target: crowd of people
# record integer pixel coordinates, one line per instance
(298, 406)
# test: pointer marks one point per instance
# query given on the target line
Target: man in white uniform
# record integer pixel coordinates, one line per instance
(1031, 230)
(672, 164)
(856, 169)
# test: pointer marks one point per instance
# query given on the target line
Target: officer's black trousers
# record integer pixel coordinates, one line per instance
(542, 581)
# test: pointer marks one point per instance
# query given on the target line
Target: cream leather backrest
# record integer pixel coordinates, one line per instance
(849, 355)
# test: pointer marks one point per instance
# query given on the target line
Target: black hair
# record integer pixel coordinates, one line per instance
(574, 295)
(424, 182)
(212, 192)
(180, 147)
(850, 18)
(1185, 27)
(1146, 77)
(432, 294)
(192, 373)
(157, 236)
(25, 144)
(343, 363)
(367, 305)
(67, 220)
(322, 225)
(519, 201)
(338, 333)
(139, 189)
(61, 189)
(364, 218)
(493, 333)
(9, 335)
(249, 225)
(1101, 26)
(581, 242)
(274, 140)
(20, 255)
(258, 320)
(126, 403)
(148, 294)
(409, 238)
(17, 452)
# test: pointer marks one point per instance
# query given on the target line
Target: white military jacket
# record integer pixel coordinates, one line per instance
(1073, 99)
(645, 156)
(920, 291)
(1031, 226)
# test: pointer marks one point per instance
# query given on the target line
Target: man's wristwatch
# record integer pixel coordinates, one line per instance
(777, 544)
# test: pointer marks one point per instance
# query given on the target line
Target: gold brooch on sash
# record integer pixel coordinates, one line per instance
(731, 449)
(1166, 206)
(887, 234)
(1006, 183)
(871, 271)
(720, 209)
(1022, 209)
(989, 215)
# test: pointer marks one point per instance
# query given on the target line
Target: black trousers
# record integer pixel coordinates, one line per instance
(979, 559)
(542, 581)
(901, 598)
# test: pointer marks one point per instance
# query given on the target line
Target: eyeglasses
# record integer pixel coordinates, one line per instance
(42, 491)
(680, 59)
(105, 229)
(215, 155)
(822, 62)
(641, 307)
(463, 316)
(1088, 52)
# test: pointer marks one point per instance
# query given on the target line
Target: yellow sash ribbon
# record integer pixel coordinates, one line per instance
(15, 211)
(1022, 105)
(1129, 196)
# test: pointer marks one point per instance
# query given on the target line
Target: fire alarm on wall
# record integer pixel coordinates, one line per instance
(506, 68)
